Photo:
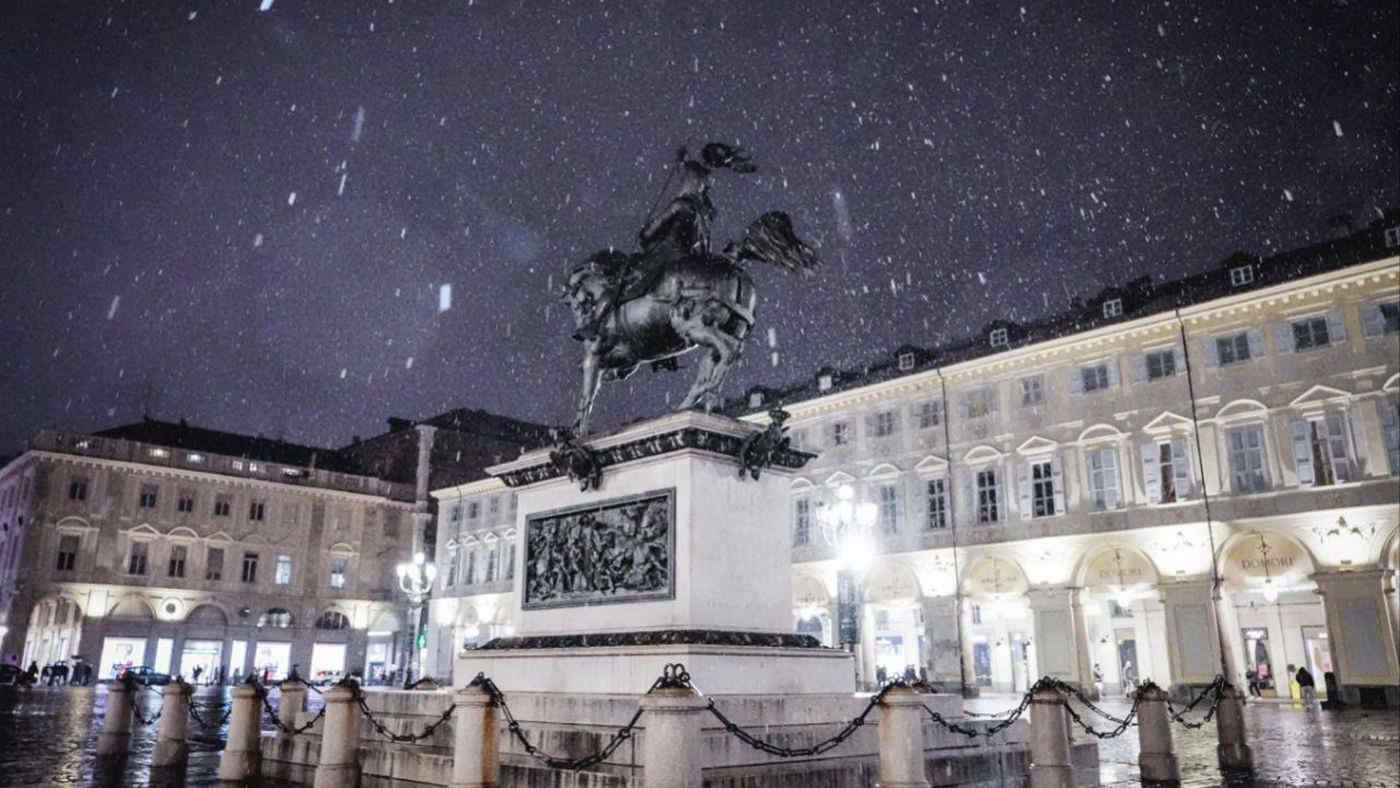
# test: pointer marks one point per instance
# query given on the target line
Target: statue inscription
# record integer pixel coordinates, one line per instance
(619, 551)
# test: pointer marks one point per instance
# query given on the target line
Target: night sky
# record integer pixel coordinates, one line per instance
(246, 217)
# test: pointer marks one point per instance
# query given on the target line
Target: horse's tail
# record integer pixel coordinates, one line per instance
(771, 239)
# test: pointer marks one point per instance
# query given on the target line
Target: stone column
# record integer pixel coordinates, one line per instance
(1156, 751)
(1233, 751)
(1051, 766)
(671, 745)
(1193, 639)
(1360, 634)
(901, 734)
(242, 756)
(115, 738)
(476, 759)
(866, 653)
(969, 667)
(292, 702)
(1061, 640)
(941, 632)
(340, 738)
(171, 748)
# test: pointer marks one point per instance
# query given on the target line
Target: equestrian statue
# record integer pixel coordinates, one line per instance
(677, 294)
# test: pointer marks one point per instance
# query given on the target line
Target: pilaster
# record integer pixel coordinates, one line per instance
(1361, 635)
(1061, 638)
(1193, 640)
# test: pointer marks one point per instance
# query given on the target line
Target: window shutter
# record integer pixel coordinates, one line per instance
(1076, 381)
(1337, 444)
(1283, 338)
(1179, 360)
(1256, 343)
(1057, 475)
(1372, 321)
(1113, 499)
(1211, 351)
(993, 400)
(1139, 367)
(1181, 470)
(870, 421)
(1112, 366)
(1023, 485)
(1336, 329)
(1302, 452)
(1151, 479)
(970, 495)
(965, 405)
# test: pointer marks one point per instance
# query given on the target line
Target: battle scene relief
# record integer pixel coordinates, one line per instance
(621, 551)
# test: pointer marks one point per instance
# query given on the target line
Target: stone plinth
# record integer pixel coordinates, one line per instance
(723, 607)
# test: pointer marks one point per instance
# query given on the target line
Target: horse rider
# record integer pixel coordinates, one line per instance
(682, 229)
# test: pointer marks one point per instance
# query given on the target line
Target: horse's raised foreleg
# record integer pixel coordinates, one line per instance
(592, 379)
(731, 349)
(702, 378)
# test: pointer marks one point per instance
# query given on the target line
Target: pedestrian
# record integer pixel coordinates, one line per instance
(33, 671)
(1098, 679)
(1305, 683)
(1252, 678)
(198, 670)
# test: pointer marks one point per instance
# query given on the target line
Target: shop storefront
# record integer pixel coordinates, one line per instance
(118, 654)
(327, 662)
(272, 661)
(200, 660)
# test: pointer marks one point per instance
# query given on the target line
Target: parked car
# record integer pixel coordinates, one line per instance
(147, 675)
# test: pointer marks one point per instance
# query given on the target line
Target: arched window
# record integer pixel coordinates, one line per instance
(333, 619)
(278, 617)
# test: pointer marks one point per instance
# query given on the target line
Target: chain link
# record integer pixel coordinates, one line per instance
(670, 675)
(1212, 690)
(194, 714)
(1067, 691)
(136, 706)
(820, 747)
(383, 730)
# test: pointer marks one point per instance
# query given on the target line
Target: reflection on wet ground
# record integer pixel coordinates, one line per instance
(1292, 746)
(48, 736)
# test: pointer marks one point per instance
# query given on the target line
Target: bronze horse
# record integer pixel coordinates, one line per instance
(693, 302)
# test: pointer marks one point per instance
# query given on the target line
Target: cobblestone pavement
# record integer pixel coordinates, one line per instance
(48, 736)
(1292, 746)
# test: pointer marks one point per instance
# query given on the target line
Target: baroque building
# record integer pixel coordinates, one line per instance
(1170, 481)
(173, 546)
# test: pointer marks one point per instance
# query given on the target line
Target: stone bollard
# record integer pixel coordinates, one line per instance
(115, 739)
(172, 751)
(476, 756)
(242, 756)
(292, 702)
(1233, 751)
(338, 766)
(1050, 755)
(902, 739)
(671, 746)
(1156, 751)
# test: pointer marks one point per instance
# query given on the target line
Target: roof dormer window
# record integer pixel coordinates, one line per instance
(756, 399)
(906, 361)
(1241, 275)
(824, 382)
(1113, 307)
(998, 338)
(1392, 237)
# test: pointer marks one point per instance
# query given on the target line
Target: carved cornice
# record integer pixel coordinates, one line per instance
(665, 637)
(652, 446)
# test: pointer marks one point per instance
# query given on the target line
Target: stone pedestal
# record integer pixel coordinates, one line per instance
(1232, 748)
(115, 738)
(340, 736)
(1051, 766)
(902, 740)
(172, 750)
(672, 748)
(242, 755)
(1157, 760)
(476, 757)
(291, 703)
(590, 620)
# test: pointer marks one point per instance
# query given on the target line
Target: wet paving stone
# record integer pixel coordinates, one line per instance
(48, 736)
(1292, 746)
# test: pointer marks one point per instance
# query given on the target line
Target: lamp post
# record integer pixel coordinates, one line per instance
(416, 580)
(846, 526)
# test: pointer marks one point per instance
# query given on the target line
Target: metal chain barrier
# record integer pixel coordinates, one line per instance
(272, 713)
(136, 706)
(382, 729)
(797, 752)
(1212, 691)
(203, 723)
(1068, 691)
(1008, 718)
(573, 764)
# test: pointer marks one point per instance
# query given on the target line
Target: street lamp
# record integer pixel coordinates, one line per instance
(846, 526)
(416, 580)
